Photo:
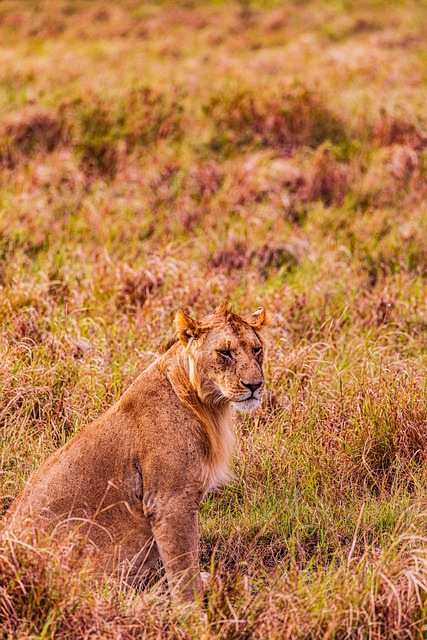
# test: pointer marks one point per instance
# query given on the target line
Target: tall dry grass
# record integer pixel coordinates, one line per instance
(156, 156)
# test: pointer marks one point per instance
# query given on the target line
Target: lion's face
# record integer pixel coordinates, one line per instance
(225, 355)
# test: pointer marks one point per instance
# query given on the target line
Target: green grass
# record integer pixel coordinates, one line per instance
(163, 155)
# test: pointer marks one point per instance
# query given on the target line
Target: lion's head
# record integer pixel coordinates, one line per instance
(224, 356)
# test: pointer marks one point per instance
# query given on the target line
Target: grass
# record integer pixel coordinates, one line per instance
(164, 155)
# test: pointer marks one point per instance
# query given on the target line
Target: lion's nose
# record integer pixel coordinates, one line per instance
(252, 386)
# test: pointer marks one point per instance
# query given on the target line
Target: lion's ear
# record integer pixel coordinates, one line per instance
(222, 308)
(258, 319)
(187, 328)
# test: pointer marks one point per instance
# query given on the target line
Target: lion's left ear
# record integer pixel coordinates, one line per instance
(187, 327)
(258, 319)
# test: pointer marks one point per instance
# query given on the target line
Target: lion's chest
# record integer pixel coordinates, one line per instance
(216, 470)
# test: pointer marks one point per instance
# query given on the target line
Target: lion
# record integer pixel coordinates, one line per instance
(131, 483)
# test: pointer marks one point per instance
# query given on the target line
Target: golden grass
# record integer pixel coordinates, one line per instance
(156, 156)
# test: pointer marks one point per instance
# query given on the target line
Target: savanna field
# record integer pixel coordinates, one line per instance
(165, 155)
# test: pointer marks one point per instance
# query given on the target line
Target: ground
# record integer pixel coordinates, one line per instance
(164, 155)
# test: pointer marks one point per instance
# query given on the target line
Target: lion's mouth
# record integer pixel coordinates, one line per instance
(254, 395)
(249, 402)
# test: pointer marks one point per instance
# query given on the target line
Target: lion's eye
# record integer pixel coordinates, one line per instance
(226, 353)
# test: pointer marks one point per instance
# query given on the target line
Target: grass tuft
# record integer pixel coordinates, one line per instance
(155, 158)
(282, 121)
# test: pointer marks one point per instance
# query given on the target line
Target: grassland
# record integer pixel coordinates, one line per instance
(164, 155)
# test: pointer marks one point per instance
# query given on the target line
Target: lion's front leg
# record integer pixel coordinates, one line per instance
(176, 532)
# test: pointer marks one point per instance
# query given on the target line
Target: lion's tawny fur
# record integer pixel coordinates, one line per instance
(131, 483)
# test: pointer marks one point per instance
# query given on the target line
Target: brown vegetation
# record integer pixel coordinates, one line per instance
(155, 157)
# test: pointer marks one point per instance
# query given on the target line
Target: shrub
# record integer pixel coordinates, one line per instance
(282, 121)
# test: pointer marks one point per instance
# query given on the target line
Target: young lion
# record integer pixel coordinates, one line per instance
(131, 482)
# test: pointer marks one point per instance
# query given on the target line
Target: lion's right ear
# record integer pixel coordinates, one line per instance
(186, 327)
(258, 319)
